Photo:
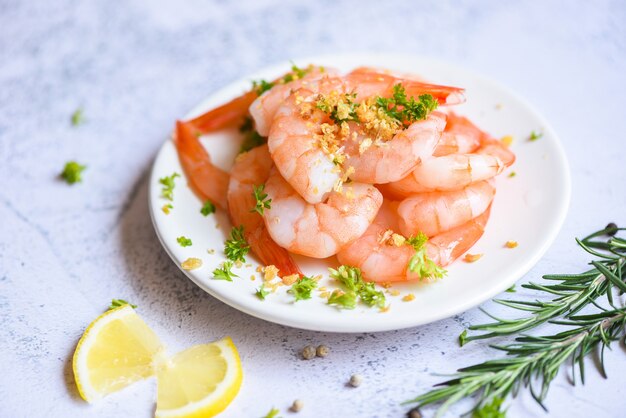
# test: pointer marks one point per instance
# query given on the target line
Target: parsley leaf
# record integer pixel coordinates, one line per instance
(262, 202)
(352, 282)
(261, 86)
(208, 208)
(343, 111)
(303, 287)
(511, 289)
(251, 138)
(225, 272)
(261, 292)
(463, 338)
(116, 303)
(168, 186)
(535, 136)
(491, 410)
(296, 73)
(273, 413)
(420, 263)
(77, 117)
(72, 172)
(184, 241)
(407, 110)
(346, 300)
(236, 247)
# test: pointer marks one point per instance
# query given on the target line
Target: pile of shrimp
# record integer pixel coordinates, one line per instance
(338, 188)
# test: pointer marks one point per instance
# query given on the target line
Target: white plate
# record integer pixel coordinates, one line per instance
(528, 208)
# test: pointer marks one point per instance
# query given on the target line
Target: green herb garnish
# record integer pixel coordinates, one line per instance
(420, 263)
(534, 361)
(208, 208)
(72, 172)
(261, 86)
(535, 135)
(490, 410)
(236, 247)
(406, 110)
(184, 241)
(116, 303)
(251, 138)
(262, 201)
(352, 283)
(261, 292)
(168, 184)
(512, 174)
(302, 289)
(344, 111)
(225, 272)
(345, 300)
(296, 73)
(273, 413)
(511, 289)
(77, 117)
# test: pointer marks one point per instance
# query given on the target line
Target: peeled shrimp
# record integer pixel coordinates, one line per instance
(265, 106)
(456, 171)
(252, 169)
(459, 137)
(381, 261)
(318, 230)
(206, 180)
(436, 212)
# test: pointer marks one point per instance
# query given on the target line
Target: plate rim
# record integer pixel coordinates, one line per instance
(446, 311)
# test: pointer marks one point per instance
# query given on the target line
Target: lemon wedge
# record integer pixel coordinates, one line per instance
(199, 382)
(117, 349)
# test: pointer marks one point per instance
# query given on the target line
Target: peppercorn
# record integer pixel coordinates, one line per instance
(611, 229)
(322, 350)
(356, 380)
(308, 352)
(414, 413)
(297, 405)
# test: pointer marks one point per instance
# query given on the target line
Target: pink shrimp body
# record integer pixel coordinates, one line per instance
(436, 212)
(252, 169)
(380, 261)
(460, 136)
(318, 230)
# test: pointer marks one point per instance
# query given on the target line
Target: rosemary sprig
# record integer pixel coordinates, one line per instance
(534, 361)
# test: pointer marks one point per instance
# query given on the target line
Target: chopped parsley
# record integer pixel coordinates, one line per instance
(261, 86)
(251, 138)
(353, 286)
(168, 184)
(273, 413)
(511, 289)
(463, 338)
(261, 292)
(420, 263)
(346, 300)
(490, 410)
(184, 241)
(512, 174)
(406, 110)
(116, 303)
(236, 247)
(342, 111)
(166, 208)
(262, 201)
(535, 136)
(77, 117)
(72, 172)
(296, 73)
(208, 208)
(225, 272)
(302, 289)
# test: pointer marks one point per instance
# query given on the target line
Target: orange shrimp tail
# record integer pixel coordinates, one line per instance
(224, 116)
(270, 253)
(206, 180)
(446, 247)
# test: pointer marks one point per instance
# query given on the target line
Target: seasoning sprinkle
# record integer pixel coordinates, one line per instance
(297, 405)
(511, 244)
(356, 380)
(322, 350)
(191, 263)
(470, 258)
(308, 352)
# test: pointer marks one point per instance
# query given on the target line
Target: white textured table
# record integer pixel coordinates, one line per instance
(136, 65)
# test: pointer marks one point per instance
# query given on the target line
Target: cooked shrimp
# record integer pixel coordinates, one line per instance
(206, 180)
(456, 171)
(397, 157)
(252, 169)
(382, 260)
(460, 136)
(265, 106)
(318, 230)
(436, 212)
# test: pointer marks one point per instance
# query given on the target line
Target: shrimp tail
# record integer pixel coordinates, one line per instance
(270, 253)
(206, 180)
(224, 116)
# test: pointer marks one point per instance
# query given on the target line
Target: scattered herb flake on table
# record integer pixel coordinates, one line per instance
(77, 117)
(72, 172)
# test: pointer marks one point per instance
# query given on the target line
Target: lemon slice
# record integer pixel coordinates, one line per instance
(117, 349)
(199, 382)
